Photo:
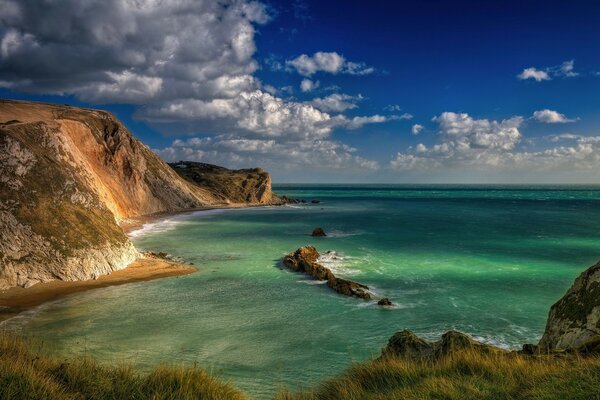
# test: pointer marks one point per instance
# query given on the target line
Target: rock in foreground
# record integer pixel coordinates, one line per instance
(408, 345)
(305, 260)
(574, 320)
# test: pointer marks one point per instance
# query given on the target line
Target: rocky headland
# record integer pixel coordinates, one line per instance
(69, 176)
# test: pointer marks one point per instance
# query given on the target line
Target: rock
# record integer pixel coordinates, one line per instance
(406, 344)
(384, 302)
(575, 318)
(305, 260)
(315, 201)
(348, 288)
(318, 232)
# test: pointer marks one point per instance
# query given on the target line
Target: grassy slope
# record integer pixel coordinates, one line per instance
(465, 375)
(25, 373)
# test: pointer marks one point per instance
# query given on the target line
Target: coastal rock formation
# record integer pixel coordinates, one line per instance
(68, 175)
(305, 260)
(243, 186)
(574, 320)
(318, 232)
(384, 302)
(408, 345)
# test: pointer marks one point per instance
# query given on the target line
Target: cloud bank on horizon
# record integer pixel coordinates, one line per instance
(190, 69)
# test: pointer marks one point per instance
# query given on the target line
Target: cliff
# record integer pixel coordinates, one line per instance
(252, 186)
(68, 175)
(574, 320)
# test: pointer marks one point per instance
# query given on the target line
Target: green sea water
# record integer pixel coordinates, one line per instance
(486, 260)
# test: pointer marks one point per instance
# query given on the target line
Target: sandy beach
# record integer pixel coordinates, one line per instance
(17, 299)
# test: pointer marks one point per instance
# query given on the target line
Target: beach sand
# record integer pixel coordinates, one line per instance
(17, 299)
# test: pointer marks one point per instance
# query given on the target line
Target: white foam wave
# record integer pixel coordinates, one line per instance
(170, 223)
(342, 234)
(338, 263)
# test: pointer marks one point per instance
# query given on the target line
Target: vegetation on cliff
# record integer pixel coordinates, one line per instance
(26, 372)
(464, 375)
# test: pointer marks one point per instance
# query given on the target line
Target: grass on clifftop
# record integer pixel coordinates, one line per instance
(25, 373)
(465, 375)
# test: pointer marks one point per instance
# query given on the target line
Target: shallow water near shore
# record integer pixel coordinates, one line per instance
(486, 260)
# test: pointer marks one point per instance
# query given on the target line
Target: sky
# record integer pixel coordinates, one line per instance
(328, 91)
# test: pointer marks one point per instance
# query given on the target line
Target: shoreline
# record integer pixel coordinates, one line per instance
(15, 300)
(132, 224)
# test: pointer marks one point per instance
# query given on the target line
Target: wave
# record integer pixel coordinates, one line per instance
(171, 222)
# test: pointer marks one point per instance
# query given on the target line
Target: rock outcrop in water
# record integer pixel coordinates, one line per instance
(305, 260)
(318, 232)
(574, 320)
(68, 175)
(406, 344)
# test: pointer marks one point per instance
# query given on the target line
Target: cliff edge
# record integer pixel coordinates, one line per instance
(574, 320)
(68, 175)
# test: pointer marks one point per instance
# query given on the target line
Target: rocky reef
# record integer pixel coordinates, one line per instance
(305, 260)
(574, 320)
(68, 176)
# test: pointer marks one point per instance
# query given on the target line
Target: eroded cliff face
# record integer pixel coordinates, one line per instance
(67, 177)
(244, 186)
(575, 318)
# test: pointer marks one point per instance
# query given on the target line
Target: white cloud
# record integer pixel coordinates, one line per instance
(336, 102)
(551, 117)
(392, 108)
(188, 65)
(564, 70)
(330, 62)
(533, 73)
(416, 129)
(308, 86)
(481, 148)
(239, 152)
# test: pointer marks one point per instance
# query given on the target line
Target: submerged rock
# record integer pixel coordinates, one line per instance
(408, 345)
(315, 201)
(318, 232)
(305, 260)
(384, 302)
(574, 320)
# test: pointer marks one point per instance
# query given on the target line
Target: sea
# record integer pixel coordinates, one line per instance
(485, 260)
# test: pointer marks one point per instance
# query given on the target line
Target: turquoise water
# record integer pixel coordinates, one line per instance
(485, 260)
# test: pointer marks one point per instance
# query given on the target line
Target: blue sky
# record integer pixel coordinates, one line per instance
(393, 91)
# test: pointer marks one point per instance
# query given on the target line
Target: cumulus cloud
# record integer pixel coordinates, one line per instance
(551, 117)
(480, 147)
(336, 102)
(463, 141)
(564, 70)
(242, 152)
(535, 74)
(329, 62)
(308, 86)
(188, 66)
(416, 129)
